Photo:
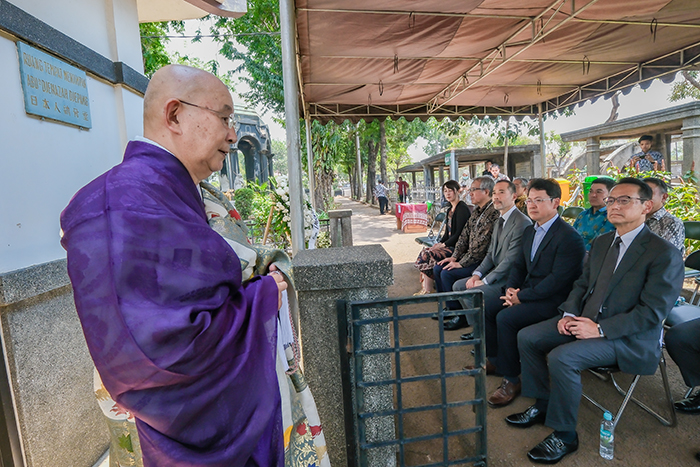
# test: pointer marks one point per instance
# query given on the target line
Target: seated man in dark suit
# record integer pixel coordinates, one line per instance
(683, 345)
(550, 260)
(613, 316)
(491, 275)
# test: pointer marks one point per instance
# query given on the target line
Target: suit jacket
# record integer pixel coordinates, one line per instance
(504, 248)
(558, 262)
(459, 220)
(641, 293)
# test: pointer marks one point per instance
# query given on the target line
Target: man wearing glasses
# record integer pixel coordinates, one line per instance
(542, 275)
(613, 316)
(471, 247)
(178, 340)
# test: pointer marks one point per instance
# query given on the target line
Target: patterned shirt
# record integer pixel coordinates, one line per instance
(646, 166)
(474, 240)
(590, 225)
(380, 191)
(667, 226)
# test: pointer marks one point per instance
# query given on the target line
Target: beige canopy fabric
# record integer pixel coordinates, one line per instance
(392, 58)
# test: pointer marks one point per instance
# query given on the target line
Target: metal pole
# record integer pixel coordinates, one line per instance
(454, 168)
(310, 163)
(359, 159)
(505, 152)
(543, 146)
(291, 107)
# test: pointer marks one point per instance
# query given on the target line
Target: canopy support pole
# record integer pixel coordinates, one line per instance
(505, 152)
(291, 107)
(310, 162)
(543, 147)
(454, 168)
(359, 160)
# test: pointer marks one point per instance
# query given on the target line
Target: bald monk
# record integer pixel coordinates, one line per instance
(176, 338)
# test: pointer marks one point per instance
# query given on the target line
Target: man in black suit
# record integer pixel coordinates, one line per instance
(542, 275)
(613, 316)
(683, 345)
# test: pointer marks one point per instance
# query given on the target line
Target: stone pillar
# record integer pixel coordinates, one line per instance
(691, 145)
(48, 405)
(340, 227)
(322, 277)
(441, 176)
(666, 150)
(593, 156)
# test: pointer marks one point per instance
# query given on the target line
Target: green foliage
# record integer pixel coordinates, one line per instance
(685, 89)
(243, 200)
(260, 54)
(153, 45)
(575, 178)
(279, 162)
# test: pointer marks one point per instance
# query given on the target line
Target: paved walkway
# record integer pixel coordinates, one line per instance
(640, 439)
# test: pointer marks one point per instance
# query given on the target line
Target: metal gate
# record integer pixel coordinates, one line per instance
(408, 399)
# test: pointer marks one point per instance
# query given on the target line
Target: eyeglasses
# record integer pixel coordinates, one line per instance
(537, 200)
(621, 200)
(472, 190)
(228, 120)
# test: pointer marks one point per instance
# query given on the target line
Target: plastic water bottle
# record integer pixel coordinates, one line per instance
(607, 437)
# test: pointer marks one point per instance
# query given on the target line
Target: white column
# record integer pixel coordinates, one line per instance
(310, 163)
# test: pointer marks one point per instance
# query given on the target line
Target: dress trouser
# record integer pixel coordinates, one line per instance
(549, 356)
(383, 203)
(502, 326)
(445, 279)
(492, 296)
(683, 345)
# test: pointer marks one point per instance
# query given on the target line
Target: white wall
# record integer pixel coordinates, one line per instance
(42, 163)
(93, 23)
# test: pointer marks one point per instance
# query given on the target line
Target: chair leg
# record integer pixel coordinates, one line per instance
(671, 421)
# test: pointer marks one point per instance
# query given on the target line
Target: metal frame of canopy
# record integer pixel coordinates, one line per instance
(534, 58)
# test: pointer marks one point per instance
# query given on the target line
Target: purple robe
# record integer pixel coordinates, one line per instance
(176, 338)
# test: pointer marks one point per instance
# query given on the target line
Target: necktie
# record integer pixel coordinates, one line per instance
(500, 233)
(595, 300)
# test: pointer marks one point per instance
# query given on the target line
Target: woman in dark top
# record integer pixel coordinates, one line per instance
(456, 220)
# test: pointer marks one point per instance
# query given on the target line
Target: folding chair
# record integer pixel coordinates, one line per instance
(432, 237)
(608, 373)
(684, 312)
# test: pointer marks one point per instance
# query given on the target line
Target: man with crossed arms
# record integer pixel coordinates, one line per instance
(491, 275)
(613, 316)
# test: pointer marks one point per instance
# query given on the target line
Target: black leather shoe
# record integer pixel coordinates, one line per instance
(690, 405)
(458, 322)
(526, 419)
(467, 336)
(552, 450)
(697, 456)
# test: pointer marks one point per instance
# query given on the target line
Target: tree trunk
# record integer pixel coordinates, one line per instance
(371, 171)
(615, 105)
(382, 152)
(323, 189)
(689, 78)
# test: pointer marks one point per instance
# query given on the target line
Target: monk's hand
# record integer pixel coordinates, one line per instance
(281, 283)
(563, 325)
(583, 328)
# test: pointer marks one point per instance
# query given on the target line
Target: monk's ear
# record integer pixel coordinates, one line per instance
(173, 112)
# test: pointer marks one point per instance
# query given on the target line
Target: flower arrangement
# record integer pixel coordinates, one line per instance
(281, 221)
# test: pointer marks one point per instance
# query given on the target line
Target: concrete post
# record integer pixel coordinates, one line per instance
(341, 227)
(691, 144)
(593, 156)
(322, 277)
(667, 150)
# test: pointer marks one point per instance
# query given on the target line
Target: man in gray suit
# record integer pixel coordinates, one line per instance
(491, 275)
(613, 316)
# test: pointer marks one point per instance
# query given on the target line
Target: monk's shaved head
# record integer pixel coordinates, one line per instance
(188, 111)
(174, 82)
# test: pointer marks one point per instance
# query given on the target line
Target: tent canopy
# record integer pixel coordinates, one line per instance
(392, 58)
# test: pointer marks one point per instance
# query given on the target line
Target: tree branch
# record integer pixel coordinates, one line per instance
(689, 78)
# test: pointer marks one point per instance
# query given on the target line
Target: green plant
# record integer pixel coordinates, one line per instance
(243, 200)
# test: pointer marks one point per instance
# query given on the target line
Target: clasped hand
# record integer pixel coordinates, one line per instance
(281, 283)
(450, 263)
(578, 326)
(511, 297)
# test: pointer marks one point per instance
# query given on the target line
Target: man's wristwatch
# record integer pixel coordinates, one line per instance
(600, 331)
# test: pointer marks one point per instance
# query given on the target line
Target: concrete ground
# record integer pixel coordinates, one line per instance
(640, 439)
